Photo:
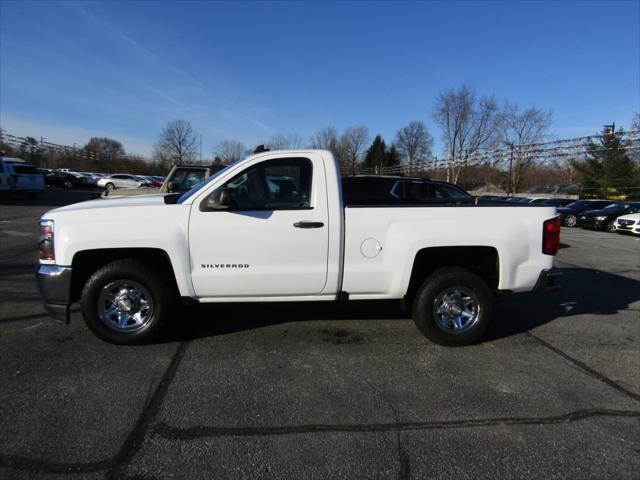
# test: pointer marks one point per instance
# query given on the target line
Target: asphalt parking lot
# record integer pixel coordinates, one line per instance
(326, 391)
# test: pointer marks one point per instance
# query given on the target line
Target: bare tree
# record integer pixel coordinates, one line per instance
(517, 129)
(351, 147)
(325, 139)
(414, 143)
(229, 150)
(178, 143)
(279, 141)
(467, 124)
(634, 151)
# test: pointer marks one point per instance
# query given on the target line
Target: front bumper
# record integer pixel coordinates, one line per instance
(547, 280)
(54, 284)
(592, 223)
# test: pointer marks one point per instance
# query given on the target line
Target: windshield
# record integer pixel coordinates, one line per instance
(189, 193)
(617, 206)
(578, 204)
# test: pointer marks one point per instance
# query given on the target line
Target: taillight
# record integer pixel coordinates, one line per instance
(551, 236)
(45, 242)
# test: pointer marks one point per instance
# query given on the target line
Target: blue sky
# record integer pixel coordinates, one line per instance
(243, 70)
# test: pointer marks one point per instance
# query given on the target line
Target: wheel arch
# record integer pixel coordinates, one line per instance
(87, 262)
(484, 261)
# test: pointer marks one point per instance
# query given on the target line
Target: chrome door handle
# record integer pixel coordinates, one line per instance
(304, 224)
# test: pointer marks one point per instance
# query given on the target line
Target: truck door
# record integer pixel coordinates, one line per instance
(270, 238)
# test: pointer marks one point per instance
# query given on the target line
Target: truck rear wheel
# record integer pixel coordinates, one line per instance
(125, 302)
(453, 307)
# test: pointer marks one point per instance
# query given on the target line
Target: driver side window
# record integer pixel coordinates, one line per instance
(280, 184)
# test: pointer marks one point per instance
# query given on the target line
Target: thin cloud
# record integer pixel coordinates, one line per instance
(233, 113)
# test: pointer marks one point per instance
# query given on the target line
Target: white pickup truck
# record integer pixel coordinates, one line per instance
(274, 227)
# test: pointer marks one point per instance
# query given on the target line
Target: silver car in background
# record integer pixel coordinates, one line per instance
(120, 180)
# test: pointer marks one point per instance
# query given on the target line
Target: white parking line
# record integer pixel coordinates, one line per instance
(14, 233)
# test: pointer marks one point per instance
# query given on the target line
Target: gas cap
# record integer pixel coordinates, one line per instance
(370, 248)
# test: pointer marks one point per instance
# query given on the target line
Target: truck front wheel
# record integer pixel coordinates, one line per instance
(126, 302)
(453, 307)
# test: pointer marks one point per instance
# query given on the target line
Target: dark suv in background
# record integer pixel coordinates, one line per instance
(376, 189)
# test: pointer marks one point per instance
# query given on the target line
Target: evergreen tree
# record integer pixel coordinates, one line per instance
(377, 155)
(393, 156)
(607, 170)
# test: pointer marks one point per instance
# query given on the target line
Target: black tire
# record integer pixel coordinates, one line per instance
(110, 187)
(570, 221)
(437, 284)
(610, 227)
(162, 298)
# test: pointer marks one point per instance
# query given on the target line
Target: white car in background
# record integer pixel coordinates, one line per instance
(628, 223)
(120, 180)
(17, 176)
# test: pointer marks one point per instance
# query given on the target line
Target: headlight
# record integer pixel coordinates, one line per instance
(601, 218)
(45, 242)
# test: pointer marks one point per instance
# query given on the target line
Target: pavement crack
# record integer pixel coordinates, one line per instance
(18, 462)
(136, 437)
(584, 368)
(173, 433)
(405, 461)
(116, 465)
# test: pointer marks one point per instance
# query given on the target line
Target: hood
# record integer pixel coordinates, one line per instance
(630, 216)
(602, 213)
(113, 202)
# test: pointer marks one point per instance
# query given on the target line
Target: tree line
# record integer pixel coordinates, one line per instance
(468, 124)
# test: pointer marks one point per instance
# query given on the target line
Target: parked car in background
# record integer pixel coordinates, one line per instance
(490, 198)
(180, 179)
(517, 199)
(5, 177)
(367, 189)
(628, 224)
(558, 202)
(151, 182)
(87, 179)
(569, 214)
(120, 180)
(21, 177)
(63, 179)
(605, 219)
(94, 177)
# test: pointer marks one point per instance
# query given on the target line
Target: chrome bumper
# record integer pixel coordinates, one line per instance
(547, 280)
(54, 284)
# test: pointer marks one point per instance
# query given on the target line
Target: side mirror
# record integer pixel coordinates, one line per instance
(170, 187)
(220, 199)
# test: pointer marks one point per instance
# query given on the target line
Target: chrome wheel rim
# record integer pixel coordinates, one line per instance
(456, 310)
(125, 306)
(571, 221)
